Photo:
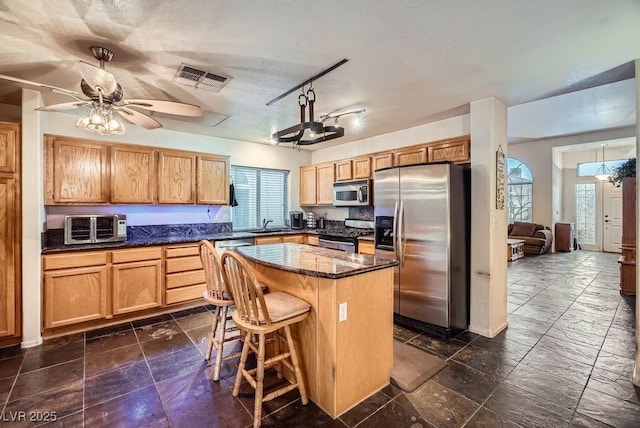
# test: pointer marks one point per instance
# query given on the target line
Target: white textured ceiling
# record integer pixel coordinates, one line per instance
(409, 61)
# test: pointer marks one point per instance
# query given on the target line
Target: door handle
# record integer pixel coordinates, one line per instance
(360, 197)
(395, 231)
(401, 234)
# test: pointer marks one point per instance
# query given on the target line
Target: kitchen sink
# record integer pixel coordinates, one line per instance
(269, 230)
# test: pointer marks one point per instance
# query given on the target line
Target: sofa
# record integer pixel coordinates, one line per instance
(537, 238)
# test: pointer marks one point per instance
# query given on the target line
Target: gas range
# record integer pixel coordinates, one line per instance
(346, 239)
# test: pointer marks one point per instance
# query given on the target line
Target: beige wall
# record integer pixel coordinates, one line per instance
(546, 168)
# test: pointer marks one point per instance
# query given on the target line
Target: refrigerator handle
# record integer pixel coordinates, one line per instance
(400, 237)
(395, 231)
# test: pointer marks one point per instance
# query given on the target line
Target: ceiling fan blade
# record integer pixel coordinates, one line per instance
(64, 106)
(55, 89)
(169, 107)
(98, 78)
(138, 118)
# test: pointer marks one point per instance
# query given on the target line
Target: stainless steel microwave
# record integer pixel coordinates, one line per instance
(352, 193)
(91, 229)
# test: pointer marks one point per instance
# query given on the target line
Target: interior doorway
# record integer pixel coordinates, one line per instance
(612, 218)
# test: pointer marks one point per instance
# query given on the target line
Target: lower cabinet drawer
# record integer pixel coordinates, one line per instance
(365, 247)
(182, 279)
(182, 294)
(183, 264)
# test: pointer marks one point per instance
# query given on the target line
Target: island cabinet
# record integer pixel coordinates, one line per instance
(316, 184)
(312, 240)
(136, 278)
(184, 273)
(76, 171)
(10, 239)
(366, 247)
(176, 177)
(346, 343)
(132, 175)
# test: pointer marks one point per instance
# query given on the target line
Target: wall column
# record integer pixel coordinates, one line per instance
(488, 225)
(636, 369)
(32, 216)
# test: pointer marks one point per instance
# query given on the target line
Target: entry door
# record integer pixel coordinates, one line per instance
(612, 218)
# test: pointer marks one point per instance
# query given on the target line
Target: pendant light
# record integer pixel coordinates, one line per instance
(603, 172)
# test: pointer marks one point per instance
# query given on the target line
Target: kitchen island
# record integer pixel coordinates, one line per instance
(346, 342)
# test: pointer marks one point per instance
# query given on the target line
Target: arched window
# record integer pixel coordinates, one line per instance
(519, 191)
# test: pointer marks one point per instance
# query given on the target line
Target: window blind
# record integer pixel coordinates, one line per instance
(261, 194)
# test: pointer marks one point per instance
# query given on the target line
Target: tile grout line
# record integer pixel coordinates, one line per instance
(15, 380)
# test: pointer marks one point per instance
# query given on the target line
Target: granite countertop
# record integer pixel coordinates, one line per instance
(170, 239)
(314, 261)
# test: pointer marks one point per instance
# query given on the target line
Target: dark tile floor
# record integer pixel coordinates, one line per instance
(565, 360)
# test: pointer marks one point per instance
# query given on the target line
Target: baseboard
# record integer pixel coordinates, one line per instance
(31, 343)
(488, 333)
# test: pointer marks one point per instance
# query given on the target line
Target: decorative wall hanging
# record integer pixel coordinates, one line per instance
(500, 178)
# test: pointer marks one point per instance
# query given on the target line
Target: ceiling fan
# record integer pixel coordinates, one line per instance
(106, 98)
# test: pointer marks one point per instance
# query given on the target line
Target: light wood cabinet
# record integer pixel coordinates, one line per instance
(176, 177)
(308, 185)
(326, 177)
(212, 182)
(136, 279)
(184, 274)
(9, 135)
(261, 240)
(75, 295)
(382, 160)
(343, 170)
(410, 156)
(8, 257)
(76, 171)
(313, 240)
(361, 168)
(627, 260)
(456, 150)
(10, 226)
(132, 175)
(296, 239)
(366, 247)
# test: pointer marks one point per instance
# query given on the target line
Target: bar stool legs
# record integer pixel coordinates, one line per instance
(217, 338)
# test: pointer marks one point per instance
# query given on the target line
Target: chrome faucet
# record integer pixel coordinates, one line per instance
(265, 223)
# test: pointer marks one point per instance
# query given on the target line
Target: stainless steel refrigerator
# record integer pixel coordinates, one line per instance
(421, 217)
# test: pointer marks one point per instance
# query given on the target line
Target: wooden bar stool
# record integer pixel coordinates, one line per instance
(217, 294)
(258, 315)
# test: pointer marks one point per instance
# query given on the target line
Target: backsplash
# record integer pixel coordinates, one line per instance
(144, 215)
(361, 213)
(55, 237)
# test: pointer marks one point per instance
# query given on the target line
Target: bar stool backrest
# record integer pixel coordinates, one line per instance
(211, 263)
(245, 289)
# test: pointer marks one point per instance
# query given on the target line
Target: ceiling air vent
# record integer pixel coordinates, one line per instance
(200, 79)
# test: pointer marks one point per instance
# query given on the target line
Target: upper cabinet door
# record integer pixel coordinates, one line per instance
(343, 170)
(382, 160)
(213, 180)
(76, 171)
(326, 176)
(8, 137)
(132, 175)
(308, 185)
(361, 168)
(176, 177)
(454, 151)
(412, 156)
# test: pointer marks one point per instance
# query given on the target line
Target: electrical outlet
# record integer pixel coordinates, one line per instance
(342, 312)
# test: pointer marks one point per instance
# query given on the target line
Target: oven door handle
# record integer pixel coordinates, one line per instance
(337, 245)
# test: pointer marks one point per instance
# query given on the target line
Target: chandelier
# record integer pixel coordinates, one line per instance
(101, 119)
(603, 172)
